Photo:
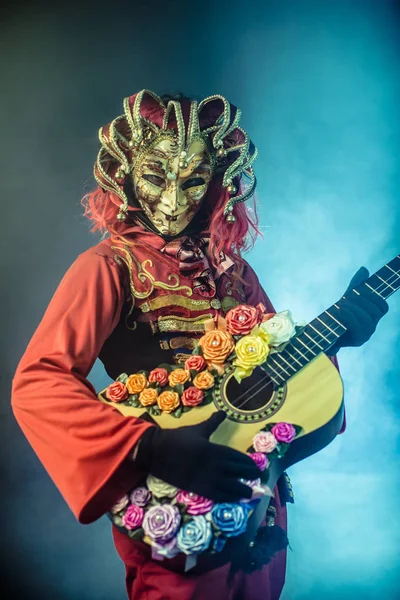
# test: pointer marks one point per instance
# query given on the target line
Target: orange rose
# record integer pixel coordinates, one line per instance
(178, 376)
(217, 345)
(168, 401)
(148, 397)
(204, 380)
(136, 383)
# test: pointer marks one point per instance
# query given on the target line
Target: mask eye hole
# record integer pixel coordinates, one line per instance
(193, 182)
(154, 179)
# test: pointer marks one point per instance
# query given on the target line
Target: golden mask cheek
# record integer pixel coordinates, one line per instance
(147, 193)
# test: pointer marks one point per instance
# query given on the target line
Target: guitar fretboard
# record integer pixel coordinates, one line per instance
(321, 333)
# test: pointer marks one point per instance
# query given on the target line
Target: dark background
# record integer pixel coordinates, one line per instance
(318, 83)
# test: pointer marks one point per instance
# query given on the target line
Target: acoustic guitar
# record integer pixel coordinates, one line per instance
(298, 385)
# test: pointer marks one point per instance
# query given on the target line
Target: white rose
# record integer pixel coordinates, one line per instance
(280, 328)
(159, 488)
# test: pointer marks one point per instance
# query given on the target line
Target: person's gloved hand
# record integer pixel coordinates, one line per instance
(360, 314)
(187, 459)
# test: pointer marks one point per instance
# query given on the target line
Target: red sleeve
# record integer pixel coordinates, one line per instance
(256, 294)
(82, 443)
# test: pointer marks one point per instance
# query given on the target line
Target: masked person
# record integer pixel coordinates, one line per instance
(173, 176)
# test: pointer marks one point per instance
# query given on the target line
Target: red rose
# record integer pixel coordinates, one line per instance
(195, 363)
(192, 396)
(241, 319)
(159, 376)
(117, 392)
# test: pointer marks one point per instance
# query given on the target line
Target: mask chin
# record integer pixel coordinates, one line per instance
(196, 225)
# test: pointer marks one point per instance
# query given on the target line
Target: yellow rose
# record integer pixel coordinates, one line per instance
(136, 383)
(168, 401)
(148, 397)
(178, 376)
(251, 351)
(217, 345)
(204, 380)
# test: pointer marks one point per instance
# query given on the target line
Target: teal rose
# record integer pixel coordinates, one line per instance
(230, 519)
(195, 536)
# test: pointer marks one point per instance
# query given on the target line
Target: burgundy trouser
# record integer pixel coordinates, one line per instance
(147, 579)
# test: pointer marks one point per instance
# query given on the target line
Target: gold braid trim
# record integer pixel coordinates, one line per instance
(167, 324)
(145, 277)
(174, 300)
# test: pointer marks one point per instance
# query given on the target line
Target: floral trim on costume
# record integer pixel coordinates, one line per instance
(174, 521)
(244, 339)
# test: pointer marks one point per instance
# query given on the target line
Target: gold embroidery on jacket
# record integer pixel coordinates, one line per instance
(166, 324)
(147, 278)
(180, 358)
(174, 300)
(183, 342)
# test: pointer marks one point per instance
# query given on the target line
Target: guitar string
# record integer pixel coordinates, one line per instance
(384, 284)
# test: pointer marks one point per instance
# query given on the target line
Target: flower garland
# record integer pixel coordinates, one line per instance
(174, 521)
(244, 338)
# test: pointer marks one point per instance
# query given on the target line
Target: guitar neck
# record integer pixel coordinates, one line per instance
(321, 333)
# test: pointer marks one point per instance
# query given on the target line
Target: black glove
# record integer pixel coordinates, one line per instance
(360, 314)
(187, 459)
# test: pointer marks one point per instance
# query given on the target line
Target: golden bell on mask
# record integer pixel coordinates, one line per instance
(230, 218)
(231, 189)
(222, 152)
(121, 216)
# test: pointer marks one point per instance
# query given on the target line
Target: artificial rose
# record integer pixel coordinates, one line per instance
(204, 380)
(140, 496)
(241, 319)
(117, 392)
(178, 377)
(217, 345)
(159, 376)
(195, 504)
(120, 505)
(284, 432)
(136, 383)
(195, 363)
(195, 536)
(161, 522)
(280, 328)
(264, 441)
(230, 518)
(133, 517)
(159, 488)
(251, 351)
(192, 396)
(168, 401)
(260, 459)
(148, 397)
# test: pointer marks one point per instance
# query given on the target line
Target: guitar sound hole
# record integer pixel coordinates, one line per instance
(254, 393)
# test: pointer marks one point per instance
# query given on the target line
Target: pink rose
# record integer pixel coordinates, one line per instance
(117, 392)
(159, 376)
(133, 516)
(264, 441)
(284, 432)
(241, 319)
(192, 396)
(195, 504)
(195, 363)
(260, 459)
